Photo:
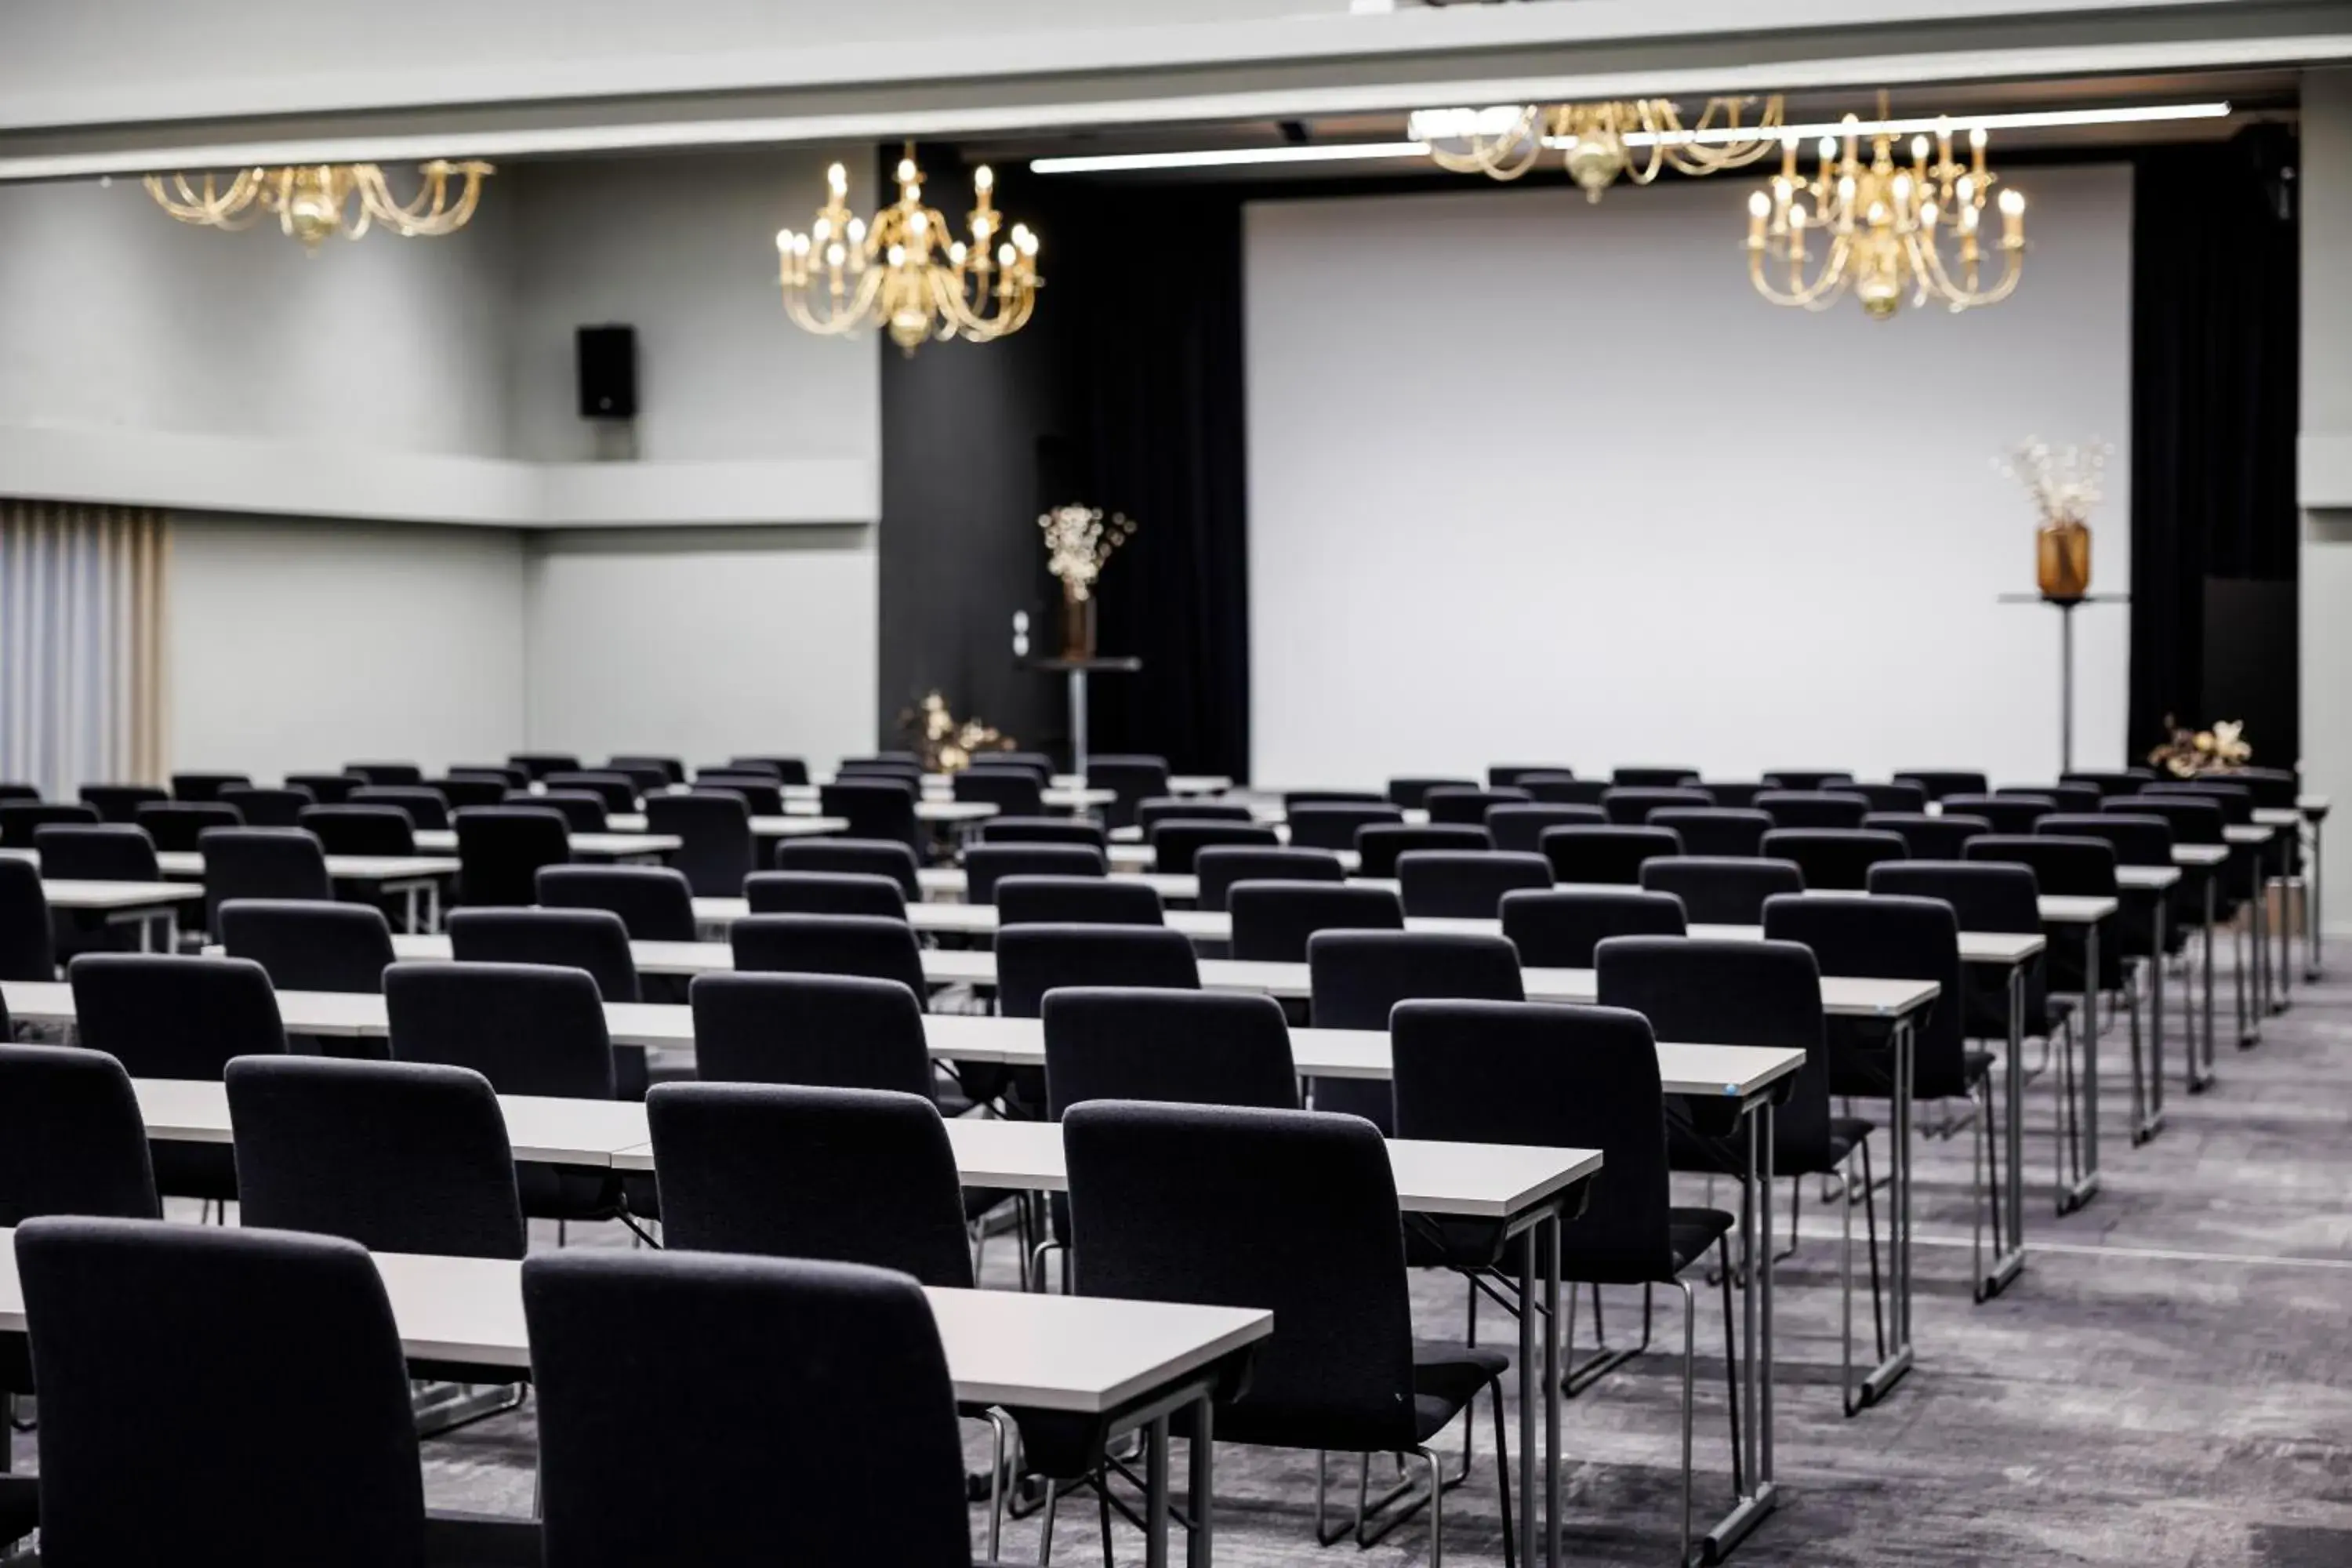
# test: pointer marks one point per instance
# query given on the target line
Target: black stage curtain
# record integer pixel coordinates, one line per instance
(2215, 365)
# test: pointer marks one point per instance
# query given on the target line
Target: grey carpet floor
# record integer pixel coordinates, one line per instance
(2170, 1382)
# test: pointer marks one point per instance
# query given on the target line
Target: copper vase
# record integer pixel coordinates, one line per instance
(1077, 625)
(2062, 561)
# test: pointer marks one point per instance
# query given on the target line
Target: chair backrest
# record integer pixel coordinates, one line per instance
(655, 902)
(201, 788)
(1558, 789)
(95, 852)
(2067, 797)
(1900, 795)
(761, 796)
(1466, 886)
(478, 789)
(71, 1138)
(1550, 1076)
(428, 807)
(618, 791)
(1273, 921)
(583, 810)
(539, 765)
(501, 848)
(2010, 814)
(267, 807)
(1292, 799)
(1518, 826)
(1176, 841)
(1808, 780)
(165, 1434)
(1289, 1211)
(1559, 929)
(1331, 825)
(1077, 900)
(1379, 845)
(162, 1015)
(1928, 837)
(1733, 794)
(2138, 840)
(1032, 960)
(1460, 803)
(786, 770)
(868, 945)
(1715, 830)
(528, 1029)
(824, 893)
(1015, 792)
(1501, 775)
(984, 863)
(1813, 808)
(2193, 819)
(397, 1156)
(593, 940)
(303, 944)
(176, 825)
(1219, 867)
(715, 829)
(20, 819)
(386, 772)
(120, 802)
(1835, 857)
(327, 789)
(880, 809)
(1412, 794)
(359, 829)
(505, 773)
(1722, 890)
(1887, 938)
(1202, 1048)
(682, 1386)
(1031, 762)
(1356, 977)
(2111, 781)
(1612, 854)
(2275, 789)
(1629, 806)
(1989, 895)
(26, 951)
(849, 1175)
(1189, 809)
(1044, 830)
(865, 857)
(823, 1031)
(2063, 867)
(672, 769)
(2236, 801)
(1133, 778)
(261, 863)
(1942, 783)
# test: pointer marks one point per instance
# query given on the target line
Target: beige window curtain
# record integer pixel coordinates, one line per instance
(81, 644)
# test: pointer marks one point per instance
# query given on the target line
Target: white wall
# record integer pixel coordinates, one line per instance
(1531, 480)
(2326, 416)
(298, 646)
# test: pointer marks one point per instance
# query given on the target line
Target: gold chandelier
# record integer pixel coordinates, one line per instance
(315, 202)
(1885, 229)
(1602, 142)
(906, 272)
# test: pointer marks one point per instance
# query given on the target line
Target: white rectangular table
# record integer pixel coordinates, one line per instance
(150, 906)
(796, 825)
(623, 846)
(414, 875)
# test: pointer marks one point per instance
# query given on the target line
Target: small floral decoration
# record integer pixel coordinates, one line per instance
(2065, 482)
(1078, 541)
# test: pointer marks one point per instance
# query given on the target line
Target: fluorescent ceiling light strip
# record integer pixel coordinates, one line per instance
(1337, 153)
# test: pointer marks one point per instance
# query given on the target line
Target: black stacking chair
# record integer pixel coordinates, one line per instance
(1455, 804)
(199, 788)
(119, 803)
(831, 1031)
(1332, 824)
(1808, 780)
(2192, 820)
(1574, 1078)
(1559, 929)
(786, 770)
(1015, 792)
(1653, 777)
(1356, 977)
(644, 777)
(1719, 831)
(427, 808)
(305, 945)
(1941, 783)
(267, 807)
(1612, 854)
(1077, 900)
(1134, 777)
(824, 893)
(902, 767)
(27, 950)
(2076, 798)
(1295, 1212)
(583, 810)
(478, 789)
(1272, 921)
(359, 829)
(261, 863)
(1733, 794)
(1508, 774)
(2137, 840)
(1044, 830)
(672, 769)
(166, 1016)
(592, 940)
(618, 791)
(174, 826)
(1631, 806)
(1177, 807)
(2076, 867)
(865, 945)
(1900, 797)
(1219, 867)
(1821, 808)
(2236, 801)
(879, 809)
(386, 772)
(539, 765)
(1451, 884)
(1558, 789)
(2012, 814)
(864, 857)
(530, 1029)
(1034, 762)
(1724, 892)
(505, 773)
(18, 792)
(760, 795)
(1197, 1048)
(20, 819)
(1927, 837)
(1520, 827)
(703, 1349)
(715, 830)
(1377, 848)
(2108, 782)
(1412, 794)
(1032, 960)
(71, 1142)
(1985, 896)
(1176, 841)
(164, 1433)
(1292, 799)
(984, 863)
(500, 849)
(95, 852)
(655, 902)
(1834, 858)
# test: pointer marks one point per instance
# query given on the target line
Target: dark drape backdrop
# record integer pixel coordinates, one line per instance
(2214, 376)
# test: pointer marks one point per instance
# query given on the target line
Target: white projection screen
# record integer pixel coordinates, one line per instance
(1532, 481)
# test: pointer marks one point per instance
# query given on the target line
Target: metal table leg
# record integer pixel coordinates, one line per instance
(2152, 1121)
(2085, 1184)
(1078, 724)
(1155, 1494)
(2200, 1071)
(1763, 1494)
(1881, 1379)
(2008, 1262)
(1528, 1394)
(1554, 1379)
(2250, 1033)
(2314, 923)
(1200, 1486)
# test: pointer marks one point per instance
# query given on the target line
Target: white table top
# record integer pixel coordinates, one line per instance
(599, 845)
(797, 825)
(2311, 804)
(2248, 832)
(2197, 854)
(341, 868)
(2063, 910)
(68, 894)
(1992, 947)
(1129, 857)
(2152, 878)
(2278, 816)
(557, 1131)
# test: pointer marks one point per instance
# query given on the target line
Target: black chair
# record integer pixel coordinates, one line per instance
(1720, 831)
(1834, 858)
(984, 863)
(1293, 1211)
(1559, 929)
(713, 1354)
(1172, 807)
(20, 819)
(1377, 848)
(1501, 775)
(359, 829)
(120, 802)
(1176, 841)
(876, 809)
(174, 826)
(583, 810)
(1031, 761)
(1412, 794)
(1332, 824)
(267, 807)
(1015, 792)
(824, 893)
(164, 1433)
(2236, 801)
(500, 849)
(95, 852)
(2066, 797)
(27, 949)
(1219, 867)
(1574, 1078)
(618, 791)
(1734, 794)
(71, 1142)
(2192, 820)
(1520, 827)
(505, 773)
(427, 808)
(1985, 896)
(1454, 885)
(1927, 837)
(261, 863)
(199, 788)
(1294, 798)
(590, 940)
(2012, 814)
(539, 765)
(865, 946)
(672, 769)
(1272, 921)
(1942, 783)
(1725, 891)
(655, 902)
(386, 772)
(901, 765)
(1356, 977)
(1808, 780)
(1197, 1048)
(1077, 900)
(305, 945)
(1558, 789)
(478, 789)
(759, 794)
(858, 857)
(1653, 777)
(2112, 781)
(2138, 840)
(786, 770)
(715, 833)
(1605, 855)
(19, 792)
(1900, 797)
(828, 1031)
(1032, 960)
(1455, 804)
(1631, 806)
(161, 1016)
(1044, 830)
(1133, 778)
(1813, 808)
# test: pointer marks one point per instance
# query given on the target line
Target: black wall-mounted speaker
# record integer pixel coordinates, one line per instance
(608, 372)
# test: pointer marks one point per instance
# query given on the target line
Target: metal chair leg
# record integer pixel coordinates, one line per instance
(1731, 1364)
(1503, 1473)
(1053, 1500)
(1690, 1391)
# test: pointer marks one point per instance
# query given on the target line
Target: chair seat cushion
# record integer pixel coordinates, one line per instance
(1444, 1379)
(20, 1507)
(1975, 1065)
(1692, 1231)
(1845, 1132)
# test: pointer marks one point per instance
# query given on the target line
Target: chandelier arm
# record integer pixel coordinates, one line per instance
(1817, 295)
(1952, 293)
